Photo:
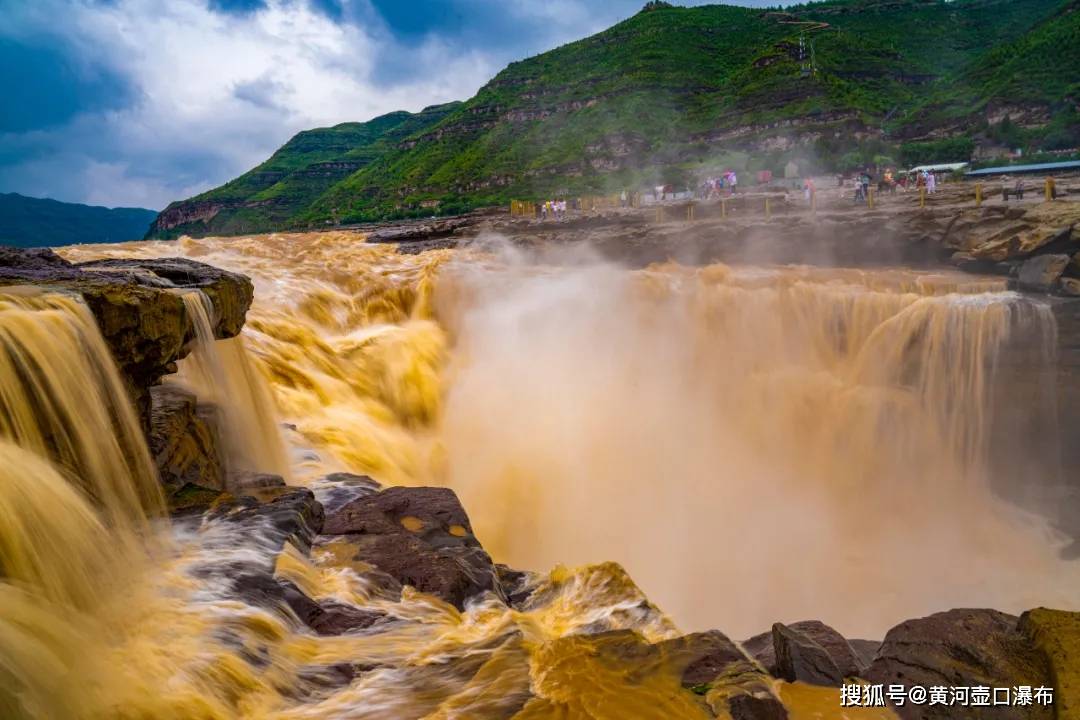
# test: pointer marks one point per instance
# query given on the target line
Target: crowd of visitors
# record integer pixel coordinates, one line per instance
(553, 210)
(720, 185)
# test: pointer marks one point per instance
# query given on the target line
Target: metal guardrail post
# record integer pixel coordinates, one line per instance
(922, 197)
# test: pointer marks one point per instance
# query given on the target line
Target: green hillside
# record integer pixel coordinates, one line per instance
(673, 93)
(37, 222)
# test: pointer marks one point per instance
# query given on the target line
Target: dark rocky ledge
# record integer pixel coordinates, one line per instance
(137, 308)
(421, 537)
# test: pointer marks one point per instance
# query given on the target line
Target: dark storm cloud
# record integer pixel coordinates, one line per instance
(46, 86)
(139, 102)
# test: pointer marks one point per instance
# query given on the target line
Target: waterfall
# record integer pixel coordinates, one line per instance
(222, 373)
(77, 491)
(62, 398)
(742, 434)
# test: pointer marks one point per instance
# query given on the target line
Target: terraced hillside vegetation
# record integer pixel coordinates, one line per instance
(673, 93)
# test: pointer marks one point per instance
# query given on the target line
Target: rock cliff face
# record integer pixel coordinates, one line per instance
(183, 441)
(429, 527)
(142, 318)
(137, 306)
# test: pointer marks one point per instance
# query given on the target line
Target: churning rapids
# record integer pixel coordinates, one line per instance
(752, 444)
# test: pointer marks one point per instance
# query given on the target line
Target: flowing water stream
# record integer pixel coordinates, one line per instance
(752, 444)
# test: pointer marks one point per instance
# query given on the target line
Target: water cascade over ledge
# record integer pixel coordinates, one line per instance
(753, 444)
(220, 372)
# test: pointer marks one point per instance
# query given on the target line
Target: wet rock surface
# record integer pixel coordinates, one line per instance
(410, 536)
(963, 648)
(800, 658)
(294, 515)
(136, 304)
(421, 537)
(1042, 273)
(328, 617)
(865, 651)
(230, 293)
(715, 675)
(842, 656)
(338, 489)
(256, 484)
(1056, 635)
(183, 442)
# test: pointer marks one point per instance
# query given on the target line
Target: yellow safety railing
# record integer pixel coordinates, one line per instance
(523, 208)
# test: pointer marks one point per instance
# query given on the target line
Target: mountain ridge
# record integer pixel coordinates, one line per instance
(672, 92)
(40, 222)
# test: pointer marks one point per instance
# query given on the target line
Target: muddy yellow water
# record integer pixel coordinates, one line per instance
(752, 445)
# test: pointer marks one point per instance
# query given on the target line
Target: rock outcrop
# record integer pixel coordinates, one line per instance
(801, 659)
(962, 648)
(714, 667)
(1042, 273)
(1056, 635)
(137, 306)
(814, 636)
(420, 537)
(183, 441)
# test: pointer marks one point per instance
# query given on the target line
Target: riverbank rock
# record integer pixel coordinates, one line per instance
(294, 515)
(962, 648)
(251, 536)
(338, 489)
(865, 651)
(262, 486)
(1042, 272)
(328, 617)
(183, 442)
(811, 651)
(714, 667)
(230, 293)
(421, 537)
(799, 658)
(137, 308)
(998, 232)
(1056, 634)
(715, 677)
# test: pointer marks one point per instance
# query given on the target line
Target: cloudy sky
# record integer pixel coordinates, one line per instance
(140, 102)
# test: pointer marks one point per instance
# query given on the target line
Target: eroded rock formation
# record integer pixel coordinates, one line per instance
(420, 537)
(143, 320)
(137, 306)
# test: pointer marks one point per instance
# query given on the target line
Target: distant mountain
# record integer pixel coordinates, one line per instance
(673, 93)
(35, 222)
